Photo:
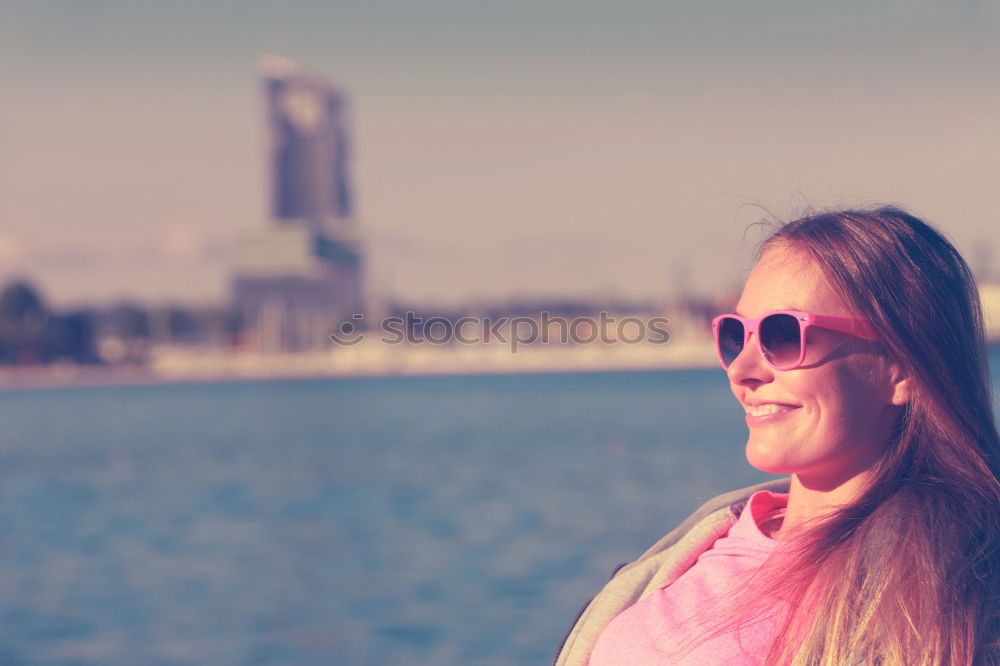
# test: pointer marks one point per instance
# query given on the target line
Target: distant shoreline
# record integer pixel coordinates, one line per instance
(179, 365)
(169, 366)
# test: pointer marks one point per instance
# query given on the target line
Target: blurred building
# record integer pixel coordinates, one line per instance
(989, 294)
(300, 276)
(308, 149)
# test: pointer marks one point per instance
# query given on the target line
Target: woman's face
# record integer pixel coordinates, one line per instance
(828, 421)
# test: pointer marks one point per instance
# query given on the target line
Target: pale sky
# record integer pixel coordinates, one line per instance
(505, 149)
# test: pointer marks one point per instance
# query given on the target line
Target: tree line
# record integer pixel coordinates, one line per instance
(33, 333)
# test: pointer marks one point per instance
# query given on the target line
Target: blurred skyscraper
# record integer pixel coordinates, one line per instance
(308, 147)
(300, 276)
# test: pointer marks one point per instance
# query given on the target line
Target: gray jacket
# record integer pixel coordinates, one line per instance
(661, 565)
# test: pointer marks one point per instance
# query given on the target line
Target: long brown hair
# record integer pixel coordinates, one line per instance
(909, 574)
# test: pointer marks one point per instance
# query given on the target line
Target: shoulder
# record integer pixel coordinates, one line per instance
(660, 565)
(733, 500)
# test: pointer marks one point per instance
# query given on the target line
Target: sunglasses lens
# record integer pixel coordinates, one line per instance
(730, 339)
(781, 339)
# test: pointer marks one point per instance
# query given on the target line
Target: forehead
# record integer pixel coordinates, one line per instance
(786, 278)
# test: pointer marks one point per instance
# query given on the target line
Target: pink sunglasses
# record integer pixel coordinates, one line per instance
(781, 335)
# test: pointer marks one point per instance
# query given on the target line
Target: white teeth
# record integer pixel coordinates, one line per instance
(764, 410)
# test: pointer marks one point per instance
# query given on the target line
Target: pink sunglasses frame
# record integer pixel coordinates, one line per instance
(807, 320)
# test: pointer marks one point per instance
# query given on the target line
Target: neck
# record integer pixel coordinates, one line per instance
(807, 503)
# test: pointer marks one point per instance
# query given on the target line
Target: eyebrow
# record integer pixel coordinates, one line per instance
(789, 307)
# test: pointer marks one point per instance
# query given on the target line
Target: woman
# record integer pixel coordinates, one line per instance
(858, 354)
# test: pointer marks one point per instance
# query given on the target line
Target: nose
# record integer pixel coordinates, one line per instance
(749, 368)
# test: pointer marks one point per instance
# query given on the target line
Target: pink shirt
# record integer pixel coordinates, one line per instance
(652, 631)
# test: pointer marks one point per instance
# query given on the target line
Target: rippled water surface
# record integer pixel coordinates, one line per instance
(452, 520)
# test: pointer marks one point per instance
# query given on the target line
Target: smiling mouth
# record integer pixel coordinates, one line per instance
(767, 410)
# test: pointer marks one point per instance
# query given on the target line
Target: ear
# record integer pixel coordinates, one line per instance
(901, 385)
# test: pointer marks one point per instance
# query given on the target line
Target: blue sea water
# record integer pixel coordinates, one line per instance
(436, 520)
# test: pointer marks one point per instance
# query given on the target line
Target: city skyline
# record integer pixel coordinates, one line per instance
(500, 153)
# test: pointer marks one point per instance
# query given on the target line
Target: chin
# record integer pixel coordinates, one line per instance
(767, 461)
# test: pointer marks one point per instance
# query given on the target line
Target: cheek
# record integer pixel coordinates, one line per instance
(860, 417)
(816, 430)
(848, 418)
(861, 394)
